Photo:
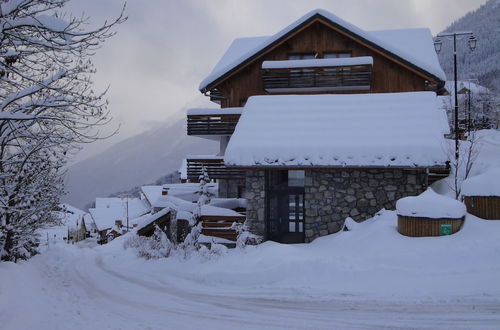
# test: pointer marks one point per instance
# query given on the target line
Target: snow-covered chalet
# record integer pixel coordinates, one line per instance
(322, 121)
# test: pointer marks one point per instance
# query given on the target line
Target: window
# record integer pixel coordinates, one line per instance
(296, 178)
(301, 56)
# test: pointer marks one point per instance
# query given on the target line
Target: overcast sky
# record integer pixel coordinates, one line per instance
(159, 56)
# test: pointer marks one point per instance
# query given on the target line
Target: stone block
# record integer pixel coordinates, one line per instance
(362, 202)
(350, 198)
(390, 188)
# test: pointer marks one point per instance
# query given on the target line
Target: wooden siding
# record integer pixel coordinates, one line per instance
(420, 227)
(484, 207)
(318, 38)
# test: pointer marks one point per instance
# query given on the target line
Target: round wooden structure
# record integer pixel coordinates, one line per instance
(421, 227)
(484, 207)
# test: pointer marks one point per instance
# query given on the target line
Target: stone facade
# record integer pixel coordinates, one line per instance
(255, 193)
(231, 188)
(331, 195)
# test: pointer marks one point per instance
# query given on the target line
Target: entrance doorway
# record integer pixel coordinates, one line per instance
(285, 206)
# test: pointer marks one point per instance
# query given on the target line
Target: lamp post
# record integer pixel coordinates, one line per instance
(437, 46)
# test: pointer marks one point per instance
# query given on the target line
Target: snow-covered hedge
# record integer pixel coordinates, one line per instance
(430, 205)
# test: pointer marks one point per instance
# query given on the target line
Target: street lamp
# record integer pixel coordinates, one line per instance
(437, 46)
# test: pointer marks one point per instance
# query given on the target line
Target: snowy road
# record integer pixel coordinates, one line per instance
(77, 288)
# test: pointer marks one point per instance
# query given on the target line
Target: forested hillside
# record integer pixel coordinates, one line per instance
(484, 62)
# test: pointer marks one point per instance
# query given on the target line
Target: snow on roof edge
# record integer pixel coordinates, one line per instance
(318, 62)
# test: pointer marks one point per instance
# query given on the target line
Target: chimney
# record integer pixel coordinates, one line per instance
(118, 223)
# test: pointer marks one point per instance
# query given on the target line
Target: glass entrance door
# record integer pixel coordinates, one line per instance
(285, 208)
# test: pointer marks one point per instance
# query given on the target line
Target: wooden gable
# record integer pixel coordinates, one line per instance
(319, 36)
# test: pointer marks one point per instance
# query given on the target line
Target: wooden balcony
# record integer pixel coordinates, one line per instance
(356, 78)
(212, 122)
(215, 167)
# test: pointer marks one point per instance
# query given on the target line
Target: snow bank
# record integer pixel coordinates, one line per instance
(486, 184)
(318, 62)
(430, 205)
(391, 129)
(413, 45)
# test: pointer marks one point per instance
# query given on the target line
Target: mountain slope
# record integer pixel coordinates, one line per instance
(484, 62)
(135, 161)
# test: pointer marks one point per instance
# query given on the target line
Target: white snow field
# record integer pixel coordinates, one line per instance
(369, 277)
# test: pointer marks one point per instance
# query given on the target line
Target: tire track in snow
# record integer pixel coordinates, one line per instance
(344, 313)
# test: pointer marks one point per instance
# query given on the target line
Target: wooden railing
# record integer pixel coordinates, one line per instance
(213, 124)
(349, 78)
(220, 226)
(215, 168)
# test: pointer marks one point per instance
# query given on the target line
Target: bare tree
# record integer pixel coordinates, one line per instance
(47, 108)
(461, 167)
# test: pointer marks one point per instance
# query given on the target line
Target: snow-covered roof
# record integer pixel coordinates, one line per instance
(368, 130)
(152, 193)
(486, 184)
(464, 86)
(414, 46)
(108, 210)
(229, 203)
(318, 62)
(149, 218)
(430, 205)
(185, 191)
(209, 210)
(67, 208)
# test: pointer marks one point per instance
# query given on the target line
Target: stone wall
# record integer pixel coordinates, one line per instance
(255, 194)
(331, 195)
(229, 188)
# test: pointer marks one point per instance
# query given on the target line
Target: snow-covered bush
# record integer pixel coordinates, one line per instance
(205, 194)
(191, 243)
(245, 237)
(154, 247)
(215, 250)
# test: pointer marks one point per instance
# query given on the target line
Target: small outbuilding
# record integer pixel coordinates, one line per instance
(481, 194)
(429, 214)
